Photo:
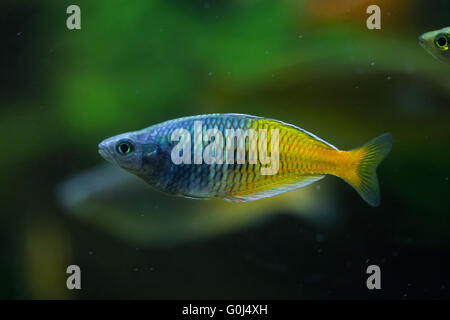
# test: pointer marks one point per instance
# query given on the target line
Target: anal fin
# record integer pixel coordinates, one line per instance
(272, 190)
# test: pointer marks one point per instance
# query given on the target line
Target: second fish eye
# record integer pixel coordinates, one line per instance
(441, 41)
(124, 147)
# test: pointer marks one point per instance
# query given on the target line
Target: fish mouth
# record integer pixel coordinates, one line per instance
(104, 154)
(421, 40)
(102, 150)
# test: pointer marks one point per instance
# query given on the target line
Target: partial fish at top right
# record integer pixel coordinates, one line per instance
(437, 43)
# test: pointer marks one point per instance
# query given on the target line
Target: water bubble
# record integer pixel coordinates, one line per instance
(300, 36)
(388, 77)
(372, 64)
(19, 33)
(210, 73)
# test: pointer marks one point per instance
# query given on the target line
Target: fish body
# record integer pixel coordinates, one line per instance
(298, 156)
(437, 43)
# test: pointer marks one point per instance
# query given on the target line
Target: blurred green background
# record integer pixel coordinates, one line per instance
(312, 63)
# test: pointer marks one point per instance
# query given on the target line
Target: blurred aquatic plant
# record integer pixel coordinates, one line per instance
(46, 255)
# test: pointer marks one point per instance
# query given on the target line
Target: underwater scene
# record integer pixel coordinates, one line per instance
(225, 149)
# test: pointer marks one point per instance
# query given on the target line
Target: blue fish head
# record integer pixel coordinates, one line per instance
(133, 151)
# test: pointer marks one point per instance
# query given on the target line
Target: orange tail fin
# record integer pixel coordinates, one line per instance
(362, 175)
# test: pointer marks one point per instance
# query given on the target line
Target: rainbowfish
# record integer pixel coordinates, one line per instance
(437, 43)
(240, 158)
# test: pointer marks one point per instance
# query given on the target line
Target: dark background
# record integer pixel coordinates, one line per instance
(135, 63)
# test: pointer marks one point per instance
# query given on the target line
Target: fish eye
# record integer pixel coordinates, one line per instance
(124, 147)
(441, 41)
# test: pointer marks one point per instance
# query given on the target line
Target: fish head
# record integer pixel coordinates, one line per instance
(133, 151)
(437, 43)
